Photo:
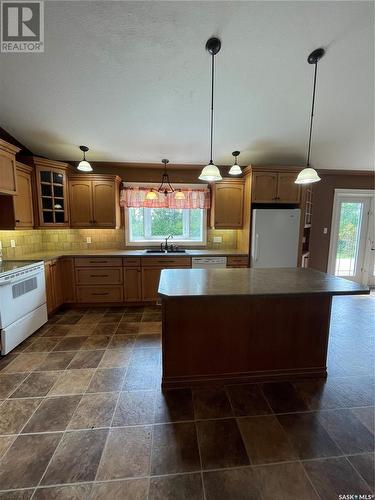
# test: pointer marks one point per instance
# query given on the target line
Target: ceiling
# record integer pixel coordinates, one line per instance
(132, 81)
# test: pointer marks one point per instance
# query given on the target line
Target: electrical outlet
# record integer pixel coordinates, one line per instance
(217, 239)
(13, 243)
(88, 239)
(325, 230)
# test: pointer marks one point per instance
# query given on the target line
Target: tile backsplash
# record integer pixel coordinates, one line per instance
(37, 240)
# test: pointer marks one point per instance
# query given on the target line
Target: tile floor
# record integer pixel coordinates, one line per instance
(82, 417)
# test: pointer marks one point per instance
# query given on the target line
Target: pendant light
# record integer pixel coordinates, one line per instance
(84, 165)
(152, 195)
(309, 175)
(210, 172)
(235, 169)
(165, 186)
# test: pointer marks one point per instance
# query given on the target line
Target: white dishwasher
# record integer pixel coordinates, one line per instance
(208, 262)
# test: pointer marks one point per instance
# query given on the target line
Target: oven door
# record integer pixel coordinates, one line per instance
(21, 296)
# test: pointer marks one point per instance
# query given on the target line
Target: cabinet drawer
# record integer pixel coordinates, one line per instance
(131, 261)
(241, 261)
(163, 262)
(98, 261)
(98, 276)
(99, 294)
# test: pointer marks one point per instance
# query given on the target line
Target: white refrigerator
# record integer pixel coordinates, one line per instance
(275, 237)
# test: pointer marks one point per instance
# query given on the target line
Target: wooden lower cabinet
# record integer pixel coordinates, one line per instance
(238, 261)
(67, 278)
(99, 276)
(102, 294)
(132, 284)
(150, 283)
(54, 284)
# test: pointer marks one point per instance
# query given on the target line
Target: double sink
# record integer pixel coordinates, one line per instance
(158, 250)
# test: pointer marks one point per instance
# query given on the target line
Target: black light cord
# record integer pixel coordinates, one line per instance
(212, 105)
(312, 114)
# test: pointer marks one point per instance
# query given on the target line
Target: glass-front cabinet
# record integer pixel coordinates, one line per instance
(52, 193)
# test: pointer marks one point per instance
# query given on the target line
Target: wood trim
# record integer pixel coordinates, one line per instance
(9, 148)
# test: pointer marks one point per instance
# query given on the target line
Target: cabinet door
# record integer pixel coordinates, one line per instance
(228, 205)
(50, 296)
(8, 183)
(57, 273)
(104, 203)
(81, 213)
(264, 187)
(132, 284)
(287, 190)
(150, 283)
(23, 201)
(67, 278)
(53, 209)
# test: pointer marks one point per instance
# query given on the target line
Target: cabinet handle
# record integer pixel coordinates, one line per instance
(102, 293)
(98, 275)
(98, 261)
(17, 220)
(166, 261)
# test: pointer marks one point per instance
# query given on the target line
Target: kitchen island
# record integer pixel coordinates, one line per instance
(240, 325)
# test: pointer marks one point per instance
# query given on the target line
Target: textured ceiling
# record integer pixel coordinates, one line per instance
(132, 81)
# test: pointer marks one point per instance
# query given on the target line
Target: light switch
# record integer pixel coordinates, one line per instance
(88, 239)
(217, 239)
(13, 243)
(325, 230)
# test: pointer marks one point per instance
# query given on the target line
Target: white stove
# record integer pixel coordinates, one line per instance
(22, 301)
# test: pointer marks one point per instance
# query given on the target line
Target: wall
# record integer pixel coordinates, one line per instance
(322, 210)
(73, 239)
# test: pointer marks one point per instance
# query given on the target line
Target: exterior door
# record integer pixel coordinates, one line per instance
(351, 242)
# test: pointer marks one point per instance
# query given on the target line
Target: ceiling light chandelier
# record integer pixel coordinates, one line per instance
(165, 186)
(84, 165)
(309, 175)
(235, 169)
(210, 172)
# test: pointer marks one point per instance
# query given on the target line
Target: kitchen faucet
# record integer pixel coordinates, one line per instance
(166, 243)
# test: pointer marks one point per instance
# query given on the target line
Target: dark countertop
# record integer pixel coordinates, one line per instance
(53, 254)
(250, 282)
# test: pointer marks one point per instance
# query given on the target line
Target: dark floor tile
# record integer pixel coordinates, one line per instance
(211, 403)
(5, 442)
(107, 380)
(42, 345)
(265, 440)
(94, 410)
(14, 413)
(182, 487)
(77, 457)
(56, 361)
(365, 465)
(117, 310)
(127, 328)
(36, 384)
(151, 340)
(135, 408)
(127, 453)
(96, 342)
(283, 397)
(125, 342)
(335, 476)
(366, 416)
(72, 382)
(174, 405)
(26, 460)
(74, 492)
(221, 444)
(25, 362)
(56, 331)
(70, 343)
(151, 316)
(149, 327)
(53, 414)
(146, 358)
(174, 449)
(6, 360)
(131, 489)
(284, 482)
(248, 399)
(16, 494)
(348, 431)
(86, 359)
(234, 484)
(131, 318)
(9, 382)
(308, 436)
(141, 378)
(114, 358)
(69, 319)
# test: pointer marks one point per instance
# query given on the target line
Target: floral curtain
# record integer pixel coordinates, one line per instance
(135, 197)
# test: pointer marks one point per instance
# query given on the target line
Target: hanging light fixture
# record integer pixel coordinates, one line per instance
(235, 169)
(179, 195)
(210, 172)
(309, 175)
(152, 195)
(165, 186)
(84, 165)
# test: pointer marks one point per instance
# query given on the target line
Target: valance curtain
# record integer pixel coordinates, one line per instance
(135, 197)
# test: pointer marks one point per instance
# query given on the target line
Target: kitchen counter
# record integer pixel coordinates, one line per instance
(53, 254)
(253, 282)
(223, 326)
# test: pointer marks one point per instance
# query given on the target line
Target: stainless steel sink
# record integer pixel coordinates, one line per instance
(157, 250)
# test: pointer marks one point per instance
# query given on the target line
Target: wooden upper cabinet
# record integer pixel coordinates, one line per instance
(80, 194)
(8, 181)
(264, 187)
(287, 190)
(23, 200)
(227, 204)
(53, 201)
(94, 201)
(275, 187)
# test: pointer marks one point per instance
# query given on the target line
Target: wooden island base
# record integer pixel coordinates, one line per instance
(244, 339)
